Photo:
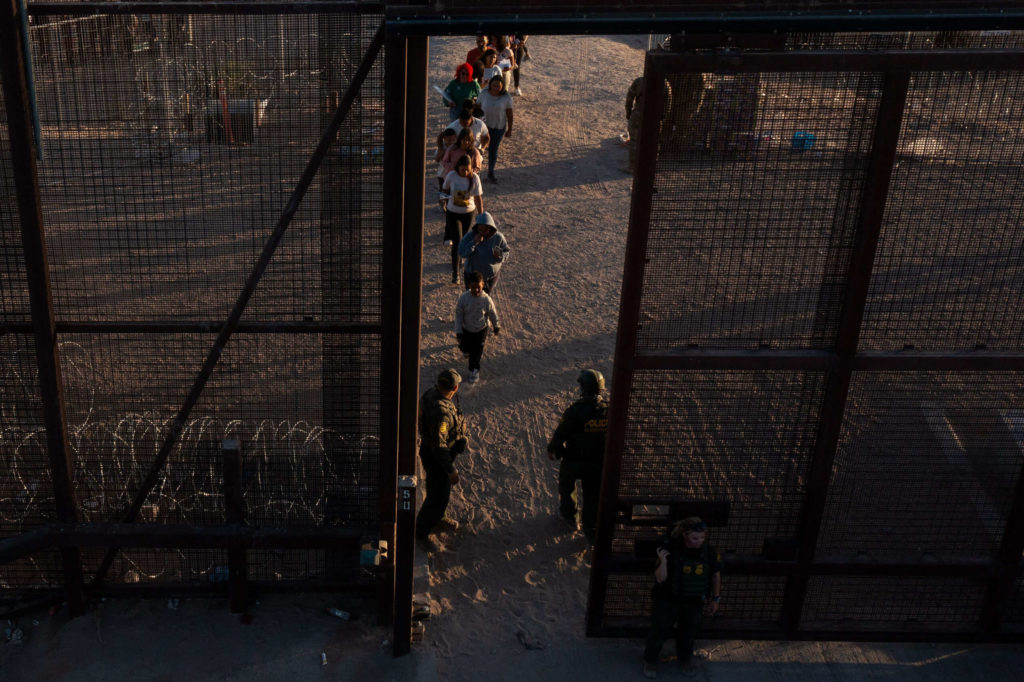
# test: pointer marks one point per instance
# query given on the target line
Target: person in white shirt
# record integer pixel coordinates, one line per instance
(506, 59)
(497, 106)
(476, 125)
(461, 198)
(491, 67)
(472, 312)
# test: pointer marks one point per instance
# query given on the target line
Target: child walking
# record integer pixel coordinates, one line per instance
(445, 141)
(472, 311)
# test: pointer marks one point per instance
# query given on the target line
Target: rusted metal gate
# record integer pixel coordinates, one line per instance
(820, 345)
(204, 173)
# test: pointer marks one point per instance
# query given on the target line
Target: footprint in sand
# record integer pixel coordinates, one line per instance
(534, 579)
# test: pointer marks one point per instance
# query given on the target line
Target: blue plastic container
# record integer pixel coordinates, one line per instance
(802, 141)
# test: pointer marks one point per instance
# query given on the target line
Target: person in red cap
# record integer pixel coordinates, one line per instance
(461, 89)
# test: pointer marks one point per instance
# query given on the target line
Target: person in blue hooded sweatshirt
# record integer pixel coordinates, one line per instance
(484, 249)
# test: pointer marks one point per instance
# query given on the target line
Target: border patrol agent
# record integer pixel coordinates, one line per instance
(688, 577)
(442, 437)
(579, 443)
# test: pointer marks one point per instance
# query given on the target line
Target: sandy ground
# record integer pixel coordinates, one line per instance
(510, 590)
(512, 573)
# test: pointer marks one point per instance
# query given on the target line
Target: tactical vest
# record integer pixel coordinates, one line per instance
(690, 578)
(587, 444)
(435, 409)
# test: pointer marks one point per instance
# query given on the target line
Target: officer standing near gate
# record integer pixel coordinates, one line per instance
(688, 582)
(579, 443)
(442, 437)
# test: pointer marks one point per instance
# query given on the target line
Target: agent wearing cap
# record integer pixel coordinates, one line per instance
(483, 250)
(579, 443)
(442, 437)
(688, 577)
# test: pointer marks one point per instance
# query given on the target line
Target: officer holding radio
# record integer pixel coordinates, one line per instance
(688, 580)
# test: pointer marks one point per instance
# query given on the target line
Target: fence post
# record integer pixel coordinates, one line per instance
(391, 313)
(406, 541)
(412, 280)
(51, 388)
(625, 339)
(234, 513)
(862, 260)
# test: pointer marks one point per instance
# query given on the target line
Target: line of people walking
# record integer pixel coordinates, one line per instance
(687, 573)
(483, 117)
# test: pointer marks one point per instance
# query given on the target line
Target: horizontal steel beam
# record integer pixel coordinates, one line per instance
(818, 360)
(871, 633)
(214, 327)
(181, 537)
(747, 565)
(34, 600)
(811, 360)
(409, 21)
(406, 20)
(213, 7)
(208, 537)
(24, 544)
(827, 61)
(201, 327)
(143, 590)
(918, 361)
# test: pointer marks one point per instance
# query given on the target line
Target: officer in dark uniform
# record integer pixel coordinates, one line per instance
(688, 580)
(634, 114)
(579, 443)
(442, 437)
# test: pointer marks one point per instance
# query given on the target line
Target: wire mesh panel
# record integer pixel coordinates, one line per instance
(754, 604)
(267, 392)
(926, 466)
(1014, 608)
(757, 188)
(873, 458)
(170, 154)
(26, 489)
(27, 577)
(950, 272)
(905, 40)
(14, 304)
(740, 437)
(161, 567)
(123, 391)
(171, 145)
(918, 605)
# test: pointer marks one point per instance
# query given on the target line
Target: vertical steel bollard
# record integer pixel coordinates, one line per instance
(234, 513)
(406, 534)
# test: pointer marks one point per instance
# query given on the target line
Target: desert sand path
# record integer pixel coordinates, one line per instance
(513, 577)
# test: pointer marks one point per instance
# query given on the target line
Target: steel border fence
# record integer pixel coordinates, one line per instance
(798, 586)
(60, 545)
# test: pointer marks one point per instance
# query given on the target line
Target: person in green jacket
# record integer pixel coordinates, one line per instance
(461, 89)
